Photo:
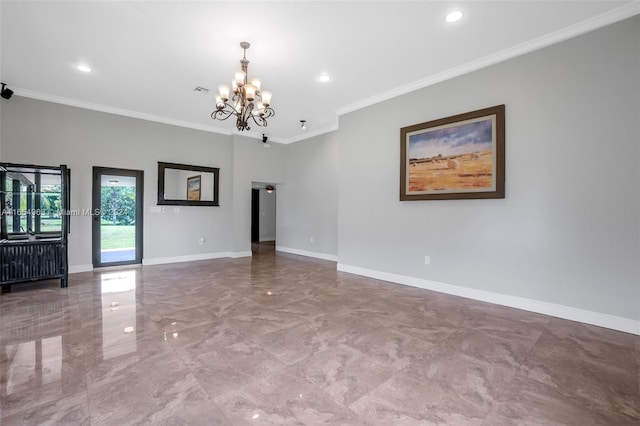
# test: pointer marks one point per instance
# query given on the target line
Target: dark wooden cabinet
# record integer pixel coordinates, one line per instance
(34, 224)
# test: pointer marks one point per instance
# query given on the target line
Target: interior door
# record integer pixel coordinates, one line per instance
(255, 215)
(117, 216)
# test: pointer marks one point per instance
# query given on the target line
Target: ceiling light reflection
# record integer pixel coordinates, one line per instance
(454, 16)
(324, 78)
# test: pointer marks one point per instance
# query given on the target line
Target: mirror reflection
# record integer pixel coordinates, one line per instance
(188, 185)
(185, 185)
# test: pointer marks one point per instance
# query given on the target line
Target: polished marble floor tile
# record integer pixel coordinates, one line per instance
(404, 400)
(231, 367)
(284, 399)
(287, 340)
(587, 370)
(65, 409)
(530, 402)
(344, 373)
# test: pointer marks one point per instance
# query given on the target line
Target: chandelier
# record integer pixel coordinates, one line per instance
(247, 102)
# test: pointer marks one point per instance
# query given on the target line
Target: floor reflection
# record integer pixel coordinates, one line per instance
(31, 344)
(37, 362)
(118, 291)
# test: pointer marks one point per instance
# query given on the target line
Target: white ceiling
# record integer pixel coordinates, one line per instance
(148, 56)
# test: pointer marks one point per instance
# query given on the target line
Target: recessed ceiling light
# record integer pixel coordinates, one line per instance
(83, 68)
(454, 16)
(324, 78)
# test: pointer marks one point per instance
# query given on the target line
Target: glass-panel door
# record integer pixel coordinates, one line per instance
(117, 216)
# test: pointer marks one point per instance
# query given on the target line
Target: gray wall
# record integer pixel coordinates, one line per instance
(308, 201)
(251, 163)
(267, 220)
(37, 132)
(568, 230)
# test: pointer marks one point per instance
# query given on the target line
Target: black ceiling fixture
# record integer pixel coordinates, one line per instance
(6, 93)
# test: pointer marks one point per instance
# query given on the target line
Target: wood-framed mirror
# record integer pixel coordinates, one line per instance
(187, 185)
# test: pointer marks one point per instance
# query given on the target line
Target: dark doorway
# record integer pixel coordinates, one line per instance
(117, 216)
(255, 215)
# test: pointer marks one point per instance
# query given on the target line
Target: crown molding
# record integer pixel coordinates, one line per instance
(118, 111)
(311, 134)
(607, 18)
(623, 12)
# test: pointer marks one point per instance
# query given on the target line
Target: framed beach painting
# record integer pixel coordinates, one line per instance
(457, 157)
(193, 188)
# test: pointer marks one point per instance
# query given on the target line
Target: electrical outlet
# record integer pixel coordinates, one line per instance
(311, 240)
(427, 260)
(202, 240)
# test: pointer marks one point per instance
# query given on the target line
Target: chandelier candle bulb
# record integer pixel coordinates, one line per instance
(250, 92)
(239, 77)
(266, 98)
(224, 92)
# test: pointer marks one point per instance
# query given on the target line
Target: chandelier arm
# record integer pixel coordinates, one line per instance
(261, 119)
(222, 114)
(268, 112)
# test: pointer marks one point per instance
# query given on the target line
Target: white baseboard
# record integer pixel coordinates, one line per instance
(173, 259)
(265, 239)
(560, 311)
(74, 269)
(187, 258)
(331, 257)
(236, 254)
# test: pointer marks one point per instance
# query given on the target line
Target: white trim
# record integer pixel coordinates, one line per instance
(324, 256)
(594, 23)
(267, 239)
(311, 134)
(626, 325)
(74, 269)
(118, 111)
(187, 258)
(173, 259)
(237, 254)
(607, 18)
